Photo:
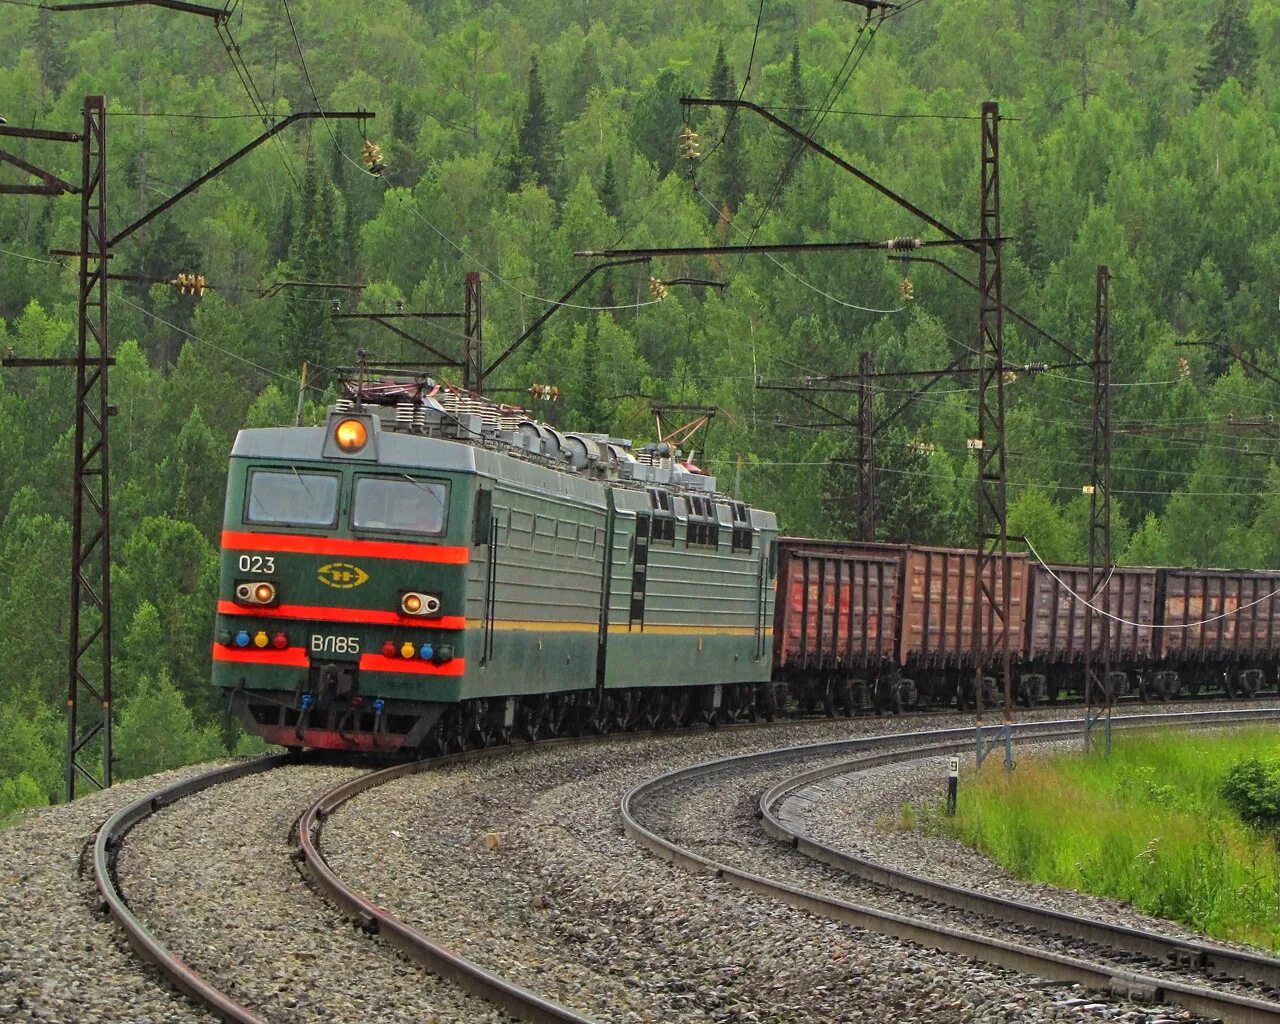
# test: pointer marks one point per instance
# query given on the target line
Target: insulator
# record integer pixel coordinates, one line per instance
(903, 243)
(371, 154)
(689, 144)
(657, 289)
(908, 290)
(1010, 376)
(199, 284)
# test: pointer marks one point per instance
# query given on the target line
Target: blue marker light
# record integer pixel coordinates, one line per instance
(426, 651)
(306, 701)
(378, 705)
(242, 639)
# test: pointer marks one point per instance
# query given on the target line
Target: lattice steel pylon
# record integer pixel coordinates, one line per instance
(1100, 558)
(90, 637)
(473, 349)
(993, 572)
(865, 512)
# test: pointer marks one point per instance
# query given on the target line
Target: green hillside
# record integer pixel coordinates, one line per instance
(1136, 134)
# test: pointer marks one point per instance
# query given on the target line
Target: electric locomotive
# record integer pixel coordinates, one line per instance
(430, 571)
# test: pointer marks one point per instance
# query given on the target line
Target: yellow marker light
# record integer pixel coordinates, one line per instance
(407, 650)
(260, 639)
(412, 604)
(351, 435)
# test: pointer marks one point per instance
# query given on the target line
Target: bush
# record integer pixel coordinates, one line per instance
(17, 793)
(157, 731)
(1252, 788)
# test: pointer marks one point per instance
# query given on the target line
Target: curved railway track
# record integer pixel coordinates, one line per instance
(436, 956)
(144, 941)
(1111, 951)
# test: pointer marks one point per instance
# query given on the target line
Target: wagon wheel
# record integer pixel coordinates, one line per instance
(598, 716)
(478, 723)
(449, 736)
(531, 717)
(625, 709)
(766, 702)
(843, 696)
(678, 708)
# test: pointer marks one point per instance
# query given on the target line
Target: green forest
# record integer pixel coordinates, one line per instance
(1134, 133)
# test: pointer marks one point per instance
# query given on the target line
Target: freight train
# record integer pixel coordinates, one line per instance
(884, 626)
(430, 571)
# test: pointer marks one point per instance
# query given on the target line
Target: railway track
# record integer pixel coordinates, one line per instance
(1206, 978)
(145, 942)
(233, 992)
(255, 958)
(514, 999)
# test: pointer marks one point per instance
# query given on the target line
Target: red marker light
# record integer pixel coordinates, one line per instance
(279, 641)
(389, 649)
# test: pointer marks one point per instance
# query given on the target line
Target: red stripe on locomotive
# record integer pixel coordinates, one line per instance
(236, 540)
(351, 616)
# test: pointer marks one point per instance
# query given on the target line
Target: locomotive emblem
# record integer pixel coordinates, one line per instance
(341, 575)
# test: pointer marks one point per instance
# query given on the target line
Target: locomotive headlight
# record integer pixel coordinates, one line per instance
(414, 603)
(351, 435)
(260, 592)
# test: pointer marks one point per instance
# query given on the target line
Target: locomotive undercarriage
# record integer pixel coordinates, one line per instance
(340, 720)
(333, 716)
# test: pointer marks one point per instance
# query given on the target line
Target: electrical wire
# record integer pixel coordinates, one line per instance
(33, 259)
(833, 93)
(786, 270)
(241, 68)
(399, 193)
(1144, 625)
(311, 86)
(1019, 484)
(195, 117)
(743, 91)
(217, 348)
(902, 117)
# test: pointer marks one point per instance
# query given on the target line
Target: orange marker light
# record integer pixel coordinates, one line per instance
(351, 435)
(264, 593)
(412, 604)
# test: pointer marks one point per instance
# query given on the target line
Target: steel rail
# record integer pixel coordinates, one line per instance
(1014, 955)
(434, 956)
(1204, 956)
(145, 943)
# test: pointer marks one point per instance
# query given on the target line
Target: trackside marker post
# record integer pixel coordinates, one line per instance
(953, 784)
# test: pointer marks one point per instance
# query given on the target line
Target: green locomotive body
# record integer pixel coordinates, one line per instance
(422, 591)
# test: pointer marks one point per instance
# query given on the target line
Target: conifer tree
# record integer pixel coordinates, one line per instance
(584, 77)
(796, 101)
(609, 197)
(1233, 50)
(534, 159)
(730, 179)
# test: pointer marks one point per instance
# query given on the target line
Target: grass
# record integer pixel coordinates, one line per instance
(1146, 825)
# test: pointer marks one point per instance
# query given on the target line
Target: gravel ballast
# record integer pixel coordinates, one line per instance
(61, 958)
(564, 903)
(521, 865)
(238, 910)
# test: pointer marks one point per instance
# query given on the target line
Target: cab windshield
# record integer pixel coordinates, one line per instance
(400, 503)
(288, 498)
